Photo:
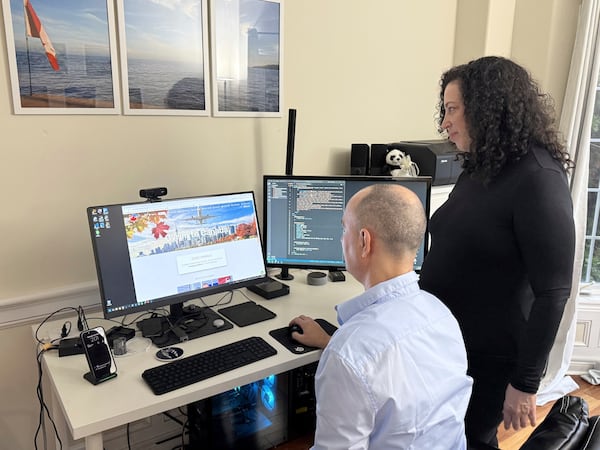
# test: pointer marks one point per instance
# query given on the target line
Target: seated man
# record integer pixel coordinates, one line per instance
(393, 376)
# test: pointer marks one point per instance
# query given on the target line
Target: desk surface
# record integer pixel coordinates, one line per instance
(90, 410)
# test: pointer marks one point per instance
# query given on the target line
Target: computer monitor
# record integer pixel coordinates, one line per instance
(303, 214)
(154, 254)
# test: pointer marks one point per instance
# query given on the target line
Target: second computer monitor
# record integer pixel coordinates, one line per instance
(303, 214)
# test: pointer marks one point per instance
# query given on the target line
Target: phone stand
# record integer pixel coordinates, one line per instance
(92, 379)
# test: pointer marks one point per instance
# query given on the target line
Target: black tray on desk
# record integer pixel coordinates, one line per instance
(282, 335)
(247, 313)
(195, 325)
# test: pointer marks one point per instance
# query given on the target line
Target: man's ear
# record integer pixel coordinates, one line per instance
(365, 241)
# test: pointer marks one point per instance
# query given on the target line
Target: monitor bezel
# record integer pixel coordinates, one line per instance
(365, 178)
(176, 301)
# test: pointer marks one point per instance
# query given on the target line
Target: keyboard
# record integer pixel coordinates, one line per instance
(198, 367)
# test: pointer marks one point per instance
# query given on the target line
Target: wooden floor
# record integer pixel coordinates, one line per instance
(509, 440)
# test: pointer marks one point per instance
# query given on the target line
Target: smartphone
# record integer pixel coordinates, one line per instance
(98, 354)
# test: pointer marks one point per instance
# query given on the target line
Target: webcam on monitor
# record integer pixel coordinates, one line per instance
(153, 194)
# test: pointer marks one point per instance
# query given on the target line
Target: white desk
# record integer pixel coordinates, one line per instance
(85, 411)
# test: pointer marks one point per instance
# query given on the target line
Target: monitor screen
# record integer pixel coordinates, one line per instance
(151, 254)
(303, 216)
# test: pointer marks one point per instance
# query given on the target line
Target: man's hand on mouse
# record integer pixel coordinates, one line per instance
(312, 333)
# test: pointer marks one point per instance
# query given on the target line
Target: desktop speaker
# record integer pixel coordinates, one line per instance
(378, 152)
(359, 159)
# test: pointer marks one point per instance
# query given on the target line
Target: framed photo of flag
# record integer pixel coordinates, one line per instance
(247, 57)
(164, 57)
(61, 56)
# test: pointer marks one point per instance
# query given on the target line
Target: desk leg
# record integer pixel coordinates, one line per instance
(94, 442)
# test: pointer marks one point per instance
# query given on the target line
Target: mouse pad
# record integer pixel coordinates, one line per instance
(283, 337)
(197, 324)
(247, 313)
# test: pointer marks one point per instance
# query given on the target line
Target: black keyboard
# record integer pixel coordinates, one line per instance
(198, 367)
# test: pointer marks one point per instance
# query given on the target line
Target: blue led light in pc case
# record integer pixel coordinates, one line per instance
(252, 417)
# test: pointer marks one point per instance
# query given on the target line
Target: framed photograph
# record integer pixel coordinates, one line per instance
(246, 50)
(164, 57)
(61, 56)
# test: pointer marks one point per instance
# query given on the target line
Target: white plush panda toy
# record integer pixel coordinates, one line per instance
(399, 164)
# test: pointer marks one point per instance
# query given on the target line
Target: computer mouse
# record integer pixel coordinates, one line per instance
(295, 327)
(218, 323)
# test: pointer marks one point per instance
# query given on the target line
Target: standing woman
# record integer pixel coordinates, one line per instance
(502, 248)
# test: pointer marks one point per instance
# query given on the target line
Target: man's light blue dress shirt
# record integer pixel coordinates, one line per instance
(393, 375)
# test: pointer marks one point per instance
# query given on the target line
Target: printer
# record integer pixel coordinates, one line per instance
(437, 159)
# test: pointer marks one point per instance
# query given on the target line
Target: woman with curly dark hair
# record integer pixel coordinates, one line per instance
(502, 248)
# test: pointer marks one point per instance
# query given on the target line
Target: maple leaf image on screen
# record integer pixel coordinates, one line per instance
(160, 230)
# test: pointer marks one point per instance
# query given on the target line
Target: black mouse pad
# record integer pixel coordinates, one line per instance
(282, 335)
(247, 313)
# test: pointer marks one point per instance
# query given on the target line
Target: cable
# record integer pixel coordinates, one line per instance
(43, 407)
(66, 329)
(219, 303)
(44, 347)
(78, 310)
(82, 324)
(183, 428)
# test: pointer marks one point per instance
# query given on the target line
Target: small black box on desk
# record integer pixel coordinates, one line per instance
(270, 289)
(70, 346)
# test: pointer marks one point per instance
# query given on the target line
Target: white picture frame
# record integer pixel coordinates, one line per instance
(247, 58)
(164, 57)
(73, 73)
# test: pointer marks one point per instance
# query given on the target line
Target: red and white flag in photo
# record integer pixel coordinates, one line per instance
(36, 29)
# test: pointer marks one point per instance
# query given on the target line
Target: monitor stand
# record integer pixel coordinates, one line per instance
(182, 324)
(285, 274)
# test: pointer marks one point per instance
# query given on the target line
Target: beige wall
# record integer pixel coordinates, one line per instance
(355, 71)
(352, 71)
(542, 41)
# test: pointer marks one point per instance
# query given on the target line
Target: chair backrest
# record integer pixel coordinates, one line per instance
(591, 440)
(565, 427)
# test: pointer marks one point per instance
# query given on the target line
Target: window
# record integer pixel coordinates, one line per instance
(591, 264)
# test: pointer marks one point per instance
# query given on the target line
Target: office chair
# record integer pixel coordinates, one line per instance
(566, 427)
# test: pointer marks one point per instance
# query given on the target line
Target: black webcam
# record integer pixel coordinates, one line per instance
(153, 194)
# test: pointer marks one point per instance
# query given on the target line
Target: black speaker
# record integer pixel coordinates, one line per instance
(359, 159)
(378, 152)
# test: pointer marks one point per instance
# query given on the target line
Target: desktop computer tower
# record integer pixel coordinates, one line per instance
(302, 403)
(257, 416)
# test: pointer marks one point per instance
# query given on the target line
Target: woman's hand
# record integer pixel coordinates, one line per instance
(519, 408)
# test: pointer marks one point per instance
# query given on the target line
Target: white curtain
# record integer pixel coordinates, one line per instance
(575, 124)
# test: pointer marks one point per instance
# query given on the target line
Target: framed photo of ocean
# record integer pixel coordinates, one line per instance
(247, 57)
(164, 57)
(61, 56)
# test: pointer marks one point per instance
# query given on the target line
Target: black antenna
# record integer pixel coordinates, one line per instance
(291, 137)
(289, 167)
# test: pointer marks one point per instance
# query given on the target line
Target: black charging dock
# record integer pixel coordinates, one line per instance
(89, 376)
